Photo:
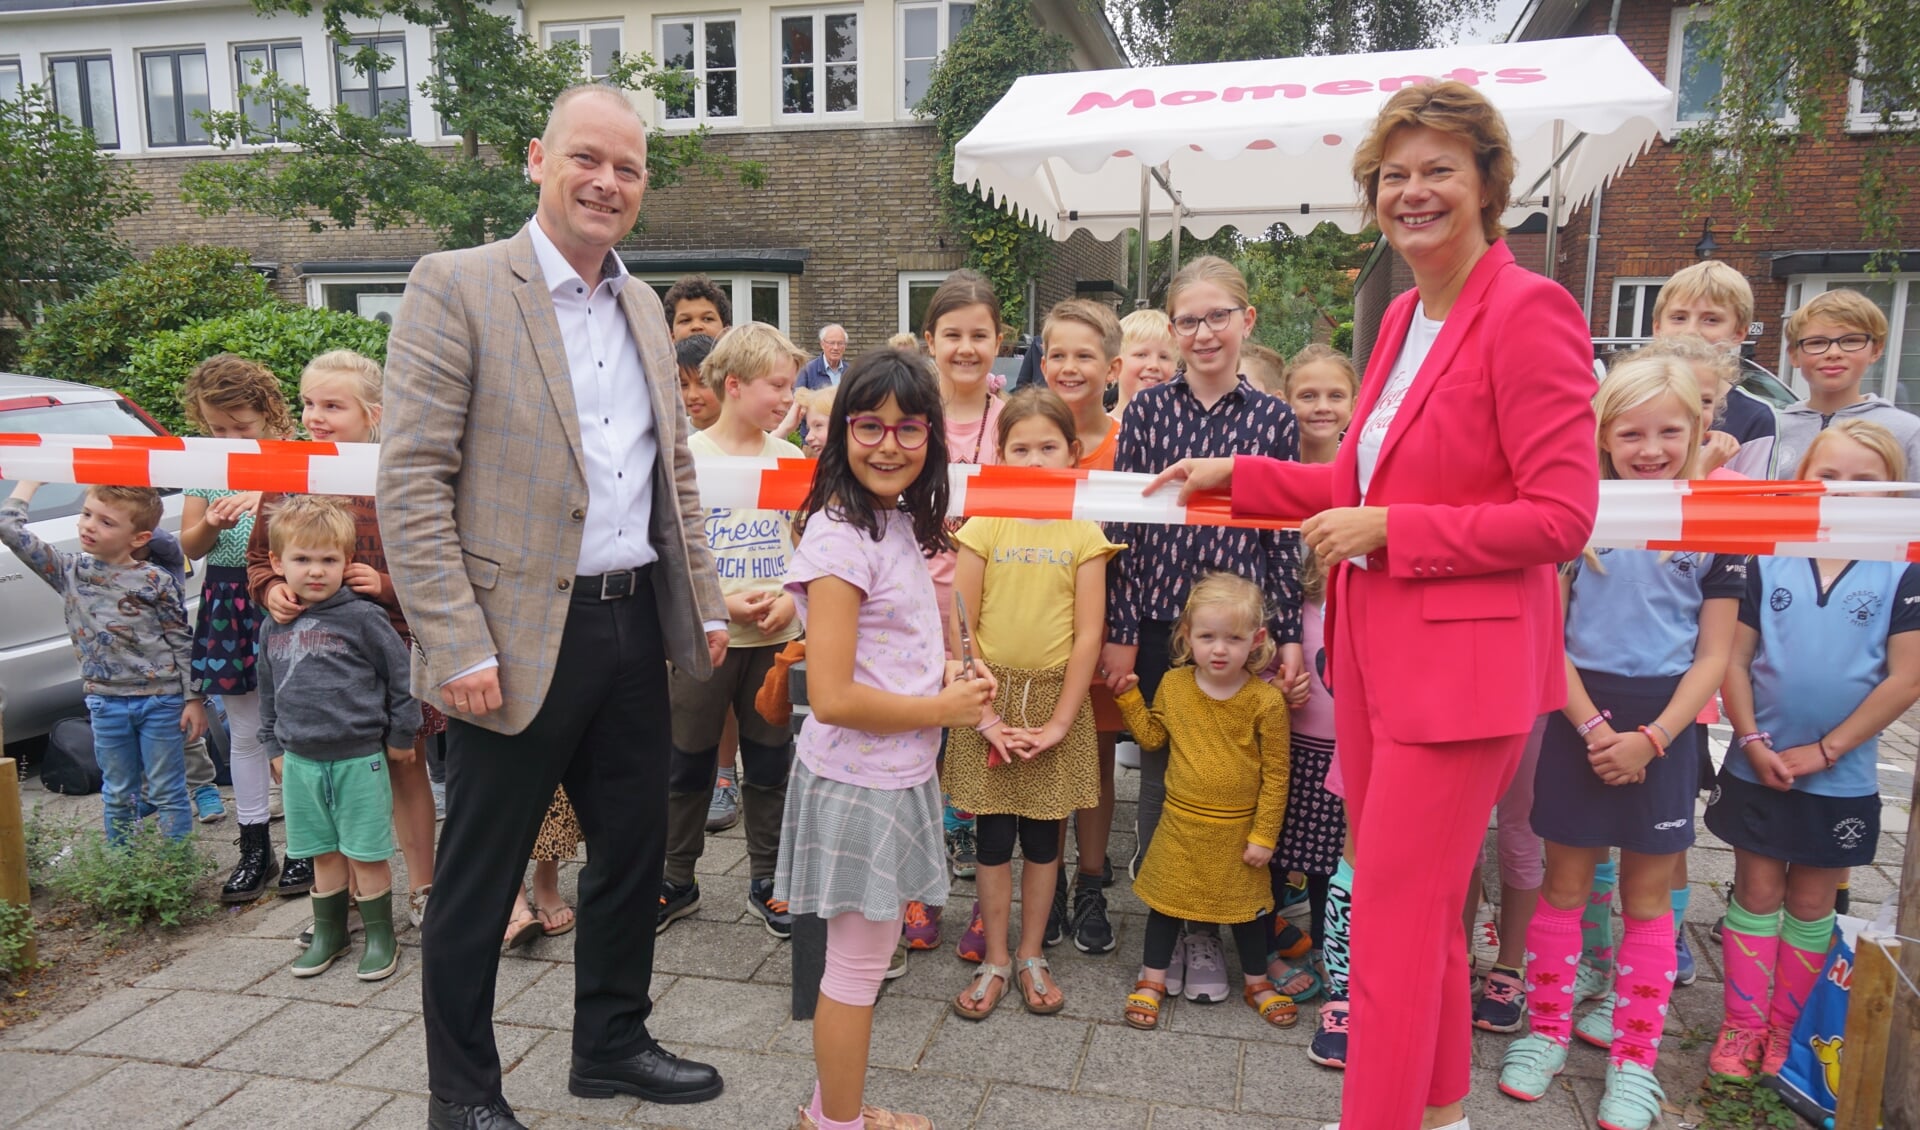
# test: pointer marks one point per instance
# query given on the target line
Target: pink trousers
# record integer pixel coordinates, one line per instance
(858, 951)
(1419, 814)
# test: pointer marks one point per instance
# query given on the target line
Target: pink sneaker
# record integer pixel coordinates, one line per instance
(972, 946)
(1779, 1046)
(922, 927)
(1737, 1052)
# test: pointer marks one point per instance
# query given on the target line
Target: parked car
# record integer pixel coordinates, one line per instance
(39, 676)
(1756, 380)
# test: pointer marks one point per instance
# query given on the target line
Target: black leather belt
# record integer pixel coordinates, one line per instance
(617, 585)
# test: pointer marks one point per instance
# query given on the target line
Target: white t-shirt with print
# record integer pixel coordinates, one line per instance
(1373, 434)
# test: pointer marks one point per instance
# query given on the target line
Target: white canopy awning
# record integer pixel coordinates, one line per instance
(1254, 143)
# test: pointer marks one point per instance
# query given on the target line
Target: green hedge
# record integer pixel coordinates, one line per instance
(283, 338)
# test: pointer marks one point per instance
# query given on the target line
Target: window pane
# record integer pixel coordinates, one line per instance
(1623, 310)
(1881, 295)
(193, 95)
(394, 71)
(351, 78)
(720, 50)
(1907, 392)
(9, 81)
(796, 90)
(1700, 78)
(100, 96)
(162, 102)
(919, 297)
(843, 39)
(676, 46)
(66, 91)
(723, 94)
(290, 64)
(766, 303)
(606, 44)
(958, 17)
(843, 89)
(563, 35)
(922, 33)
(796, 39)
(918, 72)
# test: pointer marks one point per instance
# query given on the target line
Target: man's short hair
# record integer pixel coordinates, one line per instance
(1096, 316)
(142, 505)
(749, 352)
(311, 521)
(1709, 281)
(697, 286)
(831, 326)
(583, 90)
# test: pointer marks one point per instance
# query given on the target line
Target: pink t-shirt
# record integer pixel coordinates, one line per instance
(899, 648)
(1315, 719)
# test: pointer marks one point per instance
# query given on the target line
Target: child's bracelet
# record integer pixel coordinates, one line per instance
(1593, 723)
(1663, 733)
(1830, 757)
(1757, 736)
(1653, 739)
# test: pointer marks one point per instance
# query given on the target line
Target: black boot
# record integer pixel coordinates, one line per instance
(296, 878)
(256, 868)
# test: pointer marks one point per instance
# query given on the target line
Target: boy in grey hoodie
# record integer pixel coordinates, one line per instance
(1833, 340)
(333, 693)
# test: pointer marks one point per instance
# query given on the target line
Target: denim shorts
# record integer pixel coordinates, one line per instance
(338, 806)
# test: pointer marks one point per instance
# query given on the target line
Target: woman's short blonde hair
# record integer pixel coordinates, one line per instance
(1867, 434)
(1451, 108)
(1237, 594)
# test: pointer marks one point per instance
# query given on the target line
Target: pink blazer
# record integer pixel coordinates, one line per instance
(1490, 479)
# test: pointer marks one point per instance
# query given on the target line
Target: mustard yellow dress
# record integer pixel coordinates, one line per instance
(1227, 774)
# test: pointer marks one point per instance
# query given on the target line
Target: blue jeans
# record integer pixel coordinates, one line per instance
(142, 756)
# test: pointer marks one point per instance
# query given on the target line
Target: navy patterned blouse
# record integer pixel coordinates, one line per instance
(1163, 425)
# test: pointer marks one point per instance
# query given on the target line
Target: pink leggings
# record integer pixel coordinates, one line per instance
(858, 952)
(1523, 864)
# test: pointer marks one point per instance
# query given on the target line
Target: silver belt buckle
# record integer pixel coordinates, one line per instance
(615, 586)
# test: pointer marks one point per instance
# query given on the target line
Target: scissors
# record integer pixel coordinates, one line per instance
(994, 757)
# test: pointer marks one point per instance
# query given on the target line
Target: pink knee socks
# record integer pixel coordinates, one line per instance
(1803, 952)
(1749, 947)
(1643, 983)
(1553, 960)
(824, 1123)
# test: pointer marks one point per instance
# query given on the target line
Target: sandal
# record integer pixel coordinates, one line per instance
(1280, 1011)
(549, 914)
(1143, 1010)
(1036, 985)
(522, 928)
(1303, 976)
(983, 976)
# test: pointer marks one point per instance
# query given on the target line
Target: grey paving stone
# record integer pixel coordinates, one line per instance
(405, 1112)
(1487, 1107)
(336, 986)
(285, 1102)
(309, 1041)
(720, 1014)
(402, 991)
(729, 951)
(539, 1083)
(761, 1091)
(185, 1027)
(1190, 1118)
(1031, 1108)
(1011, 1046)
(546, 1003)
(223, 965)
(1275, 1079)
(65, 1033)
(137, 1096)
(901, 1028)
(34, 1079)
(282, 918)
(400, 1064)
(946, 1100)
(1130, 1064)
(1232, 1019)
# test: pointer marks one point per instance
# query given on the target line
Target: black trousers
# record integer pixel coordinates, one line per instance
(604, 732)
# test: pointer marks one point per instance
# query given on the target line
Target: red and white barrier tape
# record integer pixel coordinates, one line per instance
(1797, 519)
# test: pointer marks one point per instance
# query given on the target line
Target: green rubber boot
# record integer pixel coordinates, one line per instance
(329, 934)
(382, 955)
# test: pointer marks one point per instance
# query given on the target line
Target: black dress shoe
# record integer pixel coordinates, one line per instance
(496, 1115)
(655, 1074)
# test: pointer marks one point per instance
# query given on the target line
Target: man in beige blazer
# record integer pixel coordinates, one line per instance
(544, 533)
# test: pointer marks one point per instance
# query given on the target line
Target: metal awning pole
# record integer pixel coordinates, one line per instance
(1553, 201)
(1140, 300)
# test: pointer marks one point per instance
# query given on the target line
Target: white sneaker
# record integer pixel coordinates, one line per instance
(1485, 940)
(1206, 969)
(1127, 755)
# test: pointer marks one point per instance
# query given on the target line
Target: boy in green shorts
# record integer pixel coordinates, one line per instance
(333, 692)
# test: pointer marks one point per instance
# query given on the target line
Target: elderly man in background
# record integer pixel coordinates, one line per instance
(824, 371)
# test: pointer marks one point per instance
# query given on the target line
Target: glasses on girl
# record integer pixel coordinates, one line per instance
(869, 431)
(1186, 325)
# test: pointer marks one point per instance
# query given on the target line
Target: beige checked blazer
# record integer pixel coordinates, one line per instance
(481, 488)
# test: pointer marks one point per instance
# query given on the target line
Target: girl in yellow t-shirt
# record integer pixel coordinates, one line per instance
(1036, 593)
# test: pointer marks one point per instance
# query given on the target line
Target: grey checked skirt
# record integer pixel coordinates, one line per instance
(847, 849)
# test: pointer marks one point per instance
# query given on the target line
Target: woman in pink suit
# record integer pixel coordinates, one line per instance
(1467, 475)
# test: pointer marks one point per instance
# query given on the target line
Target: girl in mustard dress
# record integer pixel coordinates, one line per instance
(1226, 732)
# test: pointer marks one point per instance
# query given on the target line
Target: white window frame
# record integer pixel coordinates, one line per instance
(906, 284)
(19, 74)
(1802, 289)
(244, 76)
(1861, 120)
(113, 93)
(820, 64)
(317, 285)
(381, 42)
(739, 288)
(700, 22)
(585, 29)
(1677, 62)
(1642, 306)
(943, 36)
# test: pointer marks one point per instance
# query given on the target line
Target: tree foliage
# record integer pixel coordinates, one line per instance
(280, 336)
(60, 198)
(1797, 59)
(1001, 44)
(1157, 32)
(491, 85)
(89, 338)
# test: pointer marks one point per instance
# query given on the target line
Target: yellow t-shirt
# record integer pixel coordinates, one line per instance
(1026, 602)
(751, 547)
